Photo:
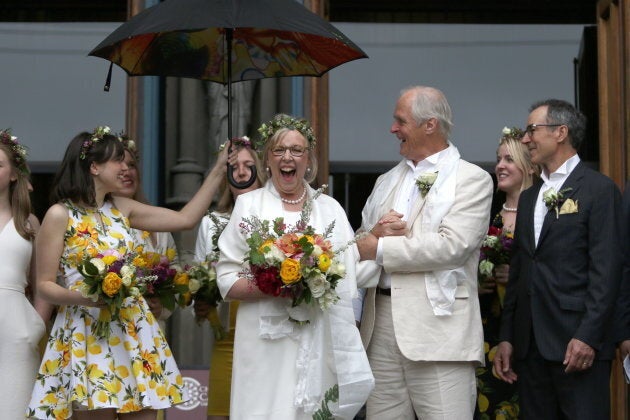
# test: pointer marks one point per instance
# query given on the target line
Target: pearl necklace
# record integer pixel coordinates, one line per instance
(510, 209)
(297, 200)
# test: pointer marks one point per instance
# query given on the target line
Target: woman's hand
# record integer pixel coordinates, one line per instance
(487, 286)
(501, 273)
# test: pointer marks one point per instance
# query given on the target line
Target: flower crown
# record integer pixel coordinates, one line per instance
(285, 121)
(19, 151)
(97, 135)
(239, 142)
(130, 145)
(513, 133)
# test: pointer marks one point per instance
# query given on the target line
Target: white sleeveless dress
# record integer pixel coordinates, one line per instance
(132, 370)
(21, 327)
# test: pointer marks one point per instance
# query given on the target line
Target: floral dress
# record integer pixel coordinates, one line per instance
(132, 370)
(495, 399)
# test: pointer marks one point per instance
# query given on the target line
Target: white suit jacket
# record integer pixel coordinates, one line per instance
(421, 335)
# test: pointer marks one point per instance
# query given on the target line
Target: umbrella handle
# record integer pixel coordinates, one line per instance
(230, 175)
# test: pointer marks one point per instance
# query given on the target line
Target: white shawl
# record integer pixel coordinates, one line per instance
(440, 284)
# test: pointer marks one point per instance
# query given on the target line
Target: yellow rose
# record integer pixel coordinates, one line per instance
(170, 254)
(139, 262)
(290, 271)
(323, 262)
(266, 244)
(109, 259)
(181, 279)
(111, 284)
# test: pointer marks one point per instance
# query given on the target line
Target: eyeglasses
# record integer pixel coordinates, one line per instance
(532, 127)
(296, 151)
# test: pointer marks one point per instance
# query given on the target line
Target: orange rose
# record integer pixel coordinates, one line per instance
(290, 271)
(323, 262)
(181, 279)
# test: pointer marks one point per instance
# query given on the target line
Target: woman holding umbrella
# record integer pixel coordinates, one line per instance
(286, 369)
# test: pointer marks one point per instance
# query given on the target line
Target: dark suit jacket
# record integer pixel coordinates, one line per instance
(566, 286)
(622, 320)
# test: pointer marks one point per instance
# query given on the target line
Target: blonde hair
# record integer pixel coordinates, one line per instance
(520, 155)
(226, 199)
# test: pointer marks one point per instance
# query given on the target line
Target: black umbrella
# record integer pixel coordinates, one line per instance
(195, 38)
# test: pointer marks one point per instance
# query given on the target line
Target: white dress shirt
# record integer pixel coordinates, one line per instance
(405, 198)
(555, 180)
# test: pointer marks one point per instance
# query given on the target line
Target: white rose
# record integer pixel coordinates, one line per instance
(274, 255)
(99, 264)
(491, 241)
(194, 285)
(317, 251)
(127, 271)
(486, 267)
(126, 280)
(337, 268)
(318, 285)
(329, 299)
(506, 130)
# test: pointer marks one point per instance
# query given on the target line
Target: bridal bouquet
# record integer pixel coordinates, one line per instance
(109, 277)
(496, 249)
(158, 276)
(294, 262)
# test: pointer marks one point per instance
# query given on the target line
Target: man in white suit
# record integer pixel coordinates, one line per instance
(427, 217)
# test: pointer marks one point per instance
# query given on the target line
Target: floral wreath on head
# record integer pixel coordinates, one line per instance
(513, 133)
(19, 151)
(130, 145)
(97, 135)
(268, 129)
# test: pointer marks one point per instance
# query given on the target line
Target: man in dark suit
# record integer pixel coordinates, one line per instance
(556, 333)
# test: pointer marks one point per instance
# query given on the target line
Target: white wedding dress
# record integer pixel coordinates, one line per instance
(21, 327)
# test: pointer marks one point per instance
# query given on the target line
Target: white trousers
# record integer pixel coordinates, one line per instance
(434, 390)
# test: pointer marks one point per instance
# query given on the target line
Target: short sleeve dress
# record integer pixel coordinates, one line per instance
(132, 370)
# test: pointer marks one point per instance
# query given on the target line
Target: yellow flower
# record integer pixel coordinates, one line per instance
(139, 262)
(323, 262)
(170, 254)
(109, 259)
(266, 244)
(181, 279)
(114, 341)
(142, 388)
(101, 396)
(290, 271)
(111, 284)
(117, 235)
(77, 336)
(175, 394)
(61, 412)
(161, 391)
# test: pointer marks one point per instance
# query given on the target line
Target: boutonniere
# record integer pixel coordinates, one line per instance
(554, 200)
(425, 181)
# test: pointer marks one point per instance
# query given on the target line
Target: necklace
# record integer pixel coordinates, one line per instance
(297, 200)
(510, 209)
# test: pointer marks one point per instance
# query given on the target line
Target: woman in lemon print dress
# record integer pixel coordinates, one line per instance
(132, 373)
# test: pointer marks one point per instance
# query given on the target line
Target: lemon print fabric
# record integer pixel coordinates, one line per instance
(133, 369)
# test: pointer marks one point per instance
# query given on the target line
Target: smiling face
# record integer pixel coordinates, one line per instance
(412, 135)
(130, 177)
(108, 176)
(287, 170)
(543, 143)
(241, 172)
(509, 175)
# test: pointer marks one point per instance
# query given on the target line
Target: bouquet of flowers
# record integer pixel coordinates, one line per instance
(110, 277)
(204, 277)
(160, 277)
(496, 249)
(294, 262)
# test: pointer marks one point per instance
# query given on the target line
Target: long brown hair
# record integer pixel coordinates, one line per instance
(19, 197)
(226, 200)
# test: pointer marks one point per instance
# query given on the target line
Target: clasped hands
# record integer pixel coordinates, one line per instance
(390, 224)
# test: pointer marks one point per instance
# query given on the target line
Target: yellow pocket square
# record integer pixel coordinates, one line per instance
(569, 206)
